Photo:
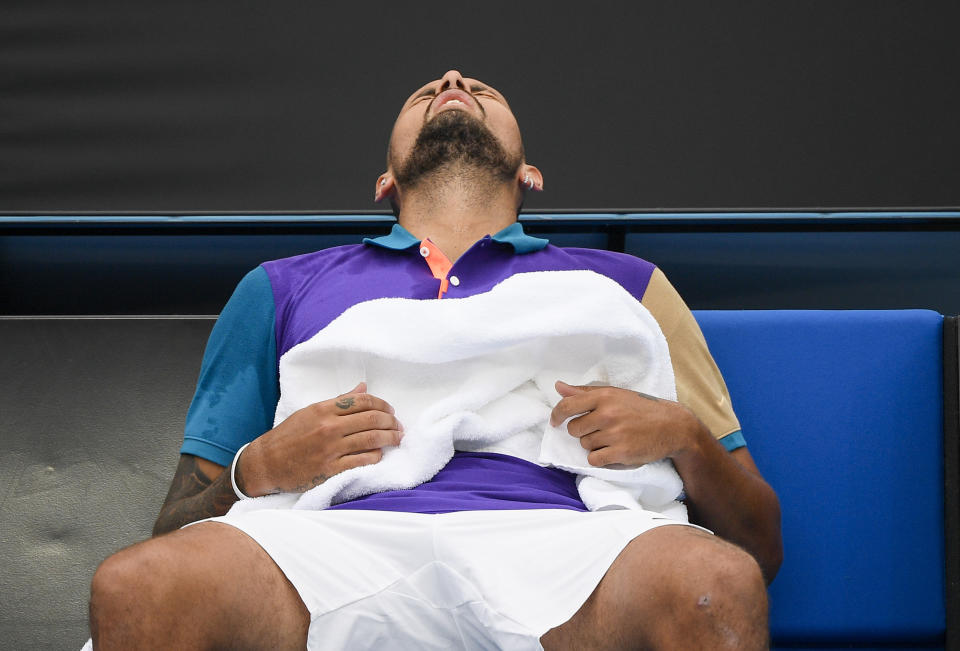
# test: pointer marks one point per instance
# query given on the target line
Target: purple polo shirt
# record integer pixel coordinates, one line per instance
(312, 290)
(285, 302)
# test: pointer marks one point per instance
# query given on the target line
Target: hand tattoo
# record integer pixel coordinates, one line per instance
(345, 403)
(316, 481)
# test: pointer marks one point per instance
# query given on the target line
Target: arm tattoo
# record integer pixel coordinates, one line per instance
(345, 403)
(193, 496)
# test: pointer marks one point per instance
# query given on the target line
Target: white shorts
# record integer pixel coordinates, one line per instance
(467, 580)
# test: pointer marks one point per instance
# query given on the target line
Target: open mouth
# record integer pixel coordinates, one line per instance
(453, 98)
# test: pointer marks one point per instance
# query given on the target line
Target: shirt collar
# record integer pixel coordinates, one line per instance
(400, 238)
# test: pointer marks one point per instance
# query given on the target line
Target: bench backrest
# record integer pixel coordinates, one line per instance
(843, 411)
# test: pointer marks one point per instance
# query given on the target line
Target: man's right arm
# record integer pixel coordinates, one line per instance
(312, 445)
(200, 489)
(236, 393)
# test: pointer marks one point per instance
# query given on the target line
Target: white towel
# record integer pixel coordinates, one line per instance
(478, 373)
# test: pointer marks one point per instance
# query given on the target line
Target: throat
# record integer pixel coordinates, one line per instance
(458, 188)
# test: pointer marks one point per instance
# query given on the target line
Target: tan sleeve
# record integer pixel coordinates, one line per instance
(699, 383)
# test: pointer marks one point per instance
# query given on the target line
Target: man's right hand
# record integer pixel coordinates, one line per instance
(317, 442)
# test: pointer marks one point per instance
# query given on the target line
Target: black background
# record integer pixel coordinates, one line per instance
(249, 106)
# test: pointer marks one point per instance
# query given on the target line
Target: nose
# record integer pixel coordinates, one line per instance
(452, 79)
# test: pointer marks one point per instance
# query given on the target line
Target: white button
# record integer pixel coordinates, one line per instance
(454, 281)
(424, 251)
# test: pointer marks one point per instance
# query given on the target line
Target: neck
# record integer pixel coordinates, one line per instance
(456, 209)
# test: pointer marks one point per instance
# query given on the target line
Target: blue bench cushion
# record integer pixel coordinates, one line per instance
(843, 412)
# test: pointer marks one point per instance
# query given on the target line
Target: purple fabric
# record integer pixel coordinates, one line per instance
(480, 481)
(312, 290)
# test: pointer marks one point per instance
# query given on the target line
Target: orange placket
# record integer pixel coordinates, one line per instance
(438, 262)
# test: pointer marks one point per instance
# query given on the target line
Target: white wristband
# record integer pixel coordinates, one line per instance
(233, 473)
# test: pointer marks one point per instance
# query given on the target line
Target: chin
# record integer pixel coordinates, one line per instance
(456, 138)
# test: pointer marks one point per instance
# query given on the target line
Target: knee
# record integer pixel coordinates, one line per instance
(701, 592)
(113, 586)
(122, 590)
(722, 591)
(735, 578)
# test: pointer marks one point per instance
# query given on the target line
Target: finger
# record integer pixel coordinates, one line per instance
(358, 459)
(600, 457)
(571, 406)
(594, 441)
(353, 403)
(566, 390)
(585, 424)
(371, 439)
(363, 420)
(589, 443)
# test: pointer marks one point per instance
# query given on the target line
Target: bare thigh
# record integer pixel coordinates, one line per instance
(206, 586)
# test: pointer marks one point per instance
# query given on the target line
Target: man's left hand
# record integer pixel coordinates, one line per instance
(619, 426)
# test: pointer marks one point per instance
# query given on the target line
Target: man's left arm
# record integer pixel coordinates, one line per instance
(727, 494)
(725, 491)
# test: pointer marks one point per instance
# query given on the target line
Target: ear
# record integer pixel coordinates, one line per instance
(385, 187)
(530, 178)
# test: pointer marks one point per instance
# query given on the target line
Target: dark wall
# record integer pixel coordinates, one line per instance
(235, 106)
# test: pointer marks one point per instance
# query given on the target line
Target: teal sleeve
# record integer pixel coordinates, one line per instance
(734, 440)
(238, 387)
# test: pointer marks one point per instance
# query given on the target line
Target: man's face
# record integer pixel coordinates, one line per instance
(454, 119)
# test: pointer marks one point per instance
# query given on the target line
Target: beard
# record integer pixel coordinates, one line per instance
(456, 142)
